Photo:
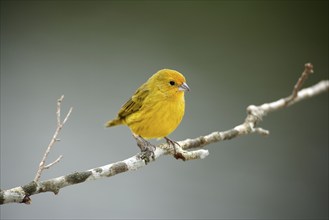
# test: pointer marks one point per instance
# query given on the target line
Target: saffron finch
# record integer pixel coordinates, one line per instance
(156, 109)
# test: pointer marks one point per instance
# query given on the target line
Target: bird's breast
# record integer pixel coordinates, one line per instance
(158, 119)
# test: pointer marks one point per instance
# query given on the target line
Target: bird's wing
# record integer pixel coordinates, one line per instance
(134, 103)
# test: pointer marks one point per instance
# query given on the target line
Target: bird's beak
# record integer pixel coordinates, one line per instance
(184, 87)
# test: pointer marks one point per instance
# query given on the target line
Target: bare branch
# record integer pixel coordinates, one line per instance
(254, 116)
(53, 140)
(67, 116)
(307, 71)
(58, 112)
(53, 163)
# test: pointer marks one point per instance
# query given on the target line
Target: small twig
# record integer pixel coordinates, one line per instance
(67, 116)
(58, 112)
(307, 71)
(54, 139)
(53, 163)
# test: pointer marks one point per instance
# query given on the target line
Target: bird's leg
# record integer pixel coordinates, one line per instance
(147, 149)
(173, 143)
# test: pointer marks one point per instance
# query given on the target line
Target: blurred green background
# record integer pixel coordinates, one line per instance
(233, 54)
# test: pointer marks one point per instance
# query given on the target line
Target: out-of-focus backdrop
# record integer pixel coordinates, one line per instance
(232, 53)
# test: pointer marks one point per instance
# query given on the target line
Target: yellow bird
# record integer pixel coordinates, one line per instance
(156, 109)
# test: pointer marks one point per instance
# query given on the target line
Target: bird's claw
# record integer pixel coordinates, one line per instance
(147, 149)
(177, 155)
(147, 154)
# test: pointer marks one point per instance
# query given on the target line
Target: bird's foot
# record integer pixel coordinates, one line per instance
(147, 154)
(177, 155)
(147, 149)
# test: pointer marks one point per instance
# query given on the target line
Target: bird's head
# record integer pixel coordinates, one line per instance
(170, 82)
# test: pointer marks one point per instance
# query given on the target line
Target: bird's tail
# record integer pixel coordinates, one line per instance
(114, 122)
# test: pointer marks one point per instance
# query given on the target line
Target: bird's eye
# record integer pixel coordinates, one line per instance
(172, 83)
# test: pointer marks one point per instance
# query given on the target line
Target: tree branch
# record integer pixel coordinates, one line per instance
(307, 71)
(54, 139)
(255, 114)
